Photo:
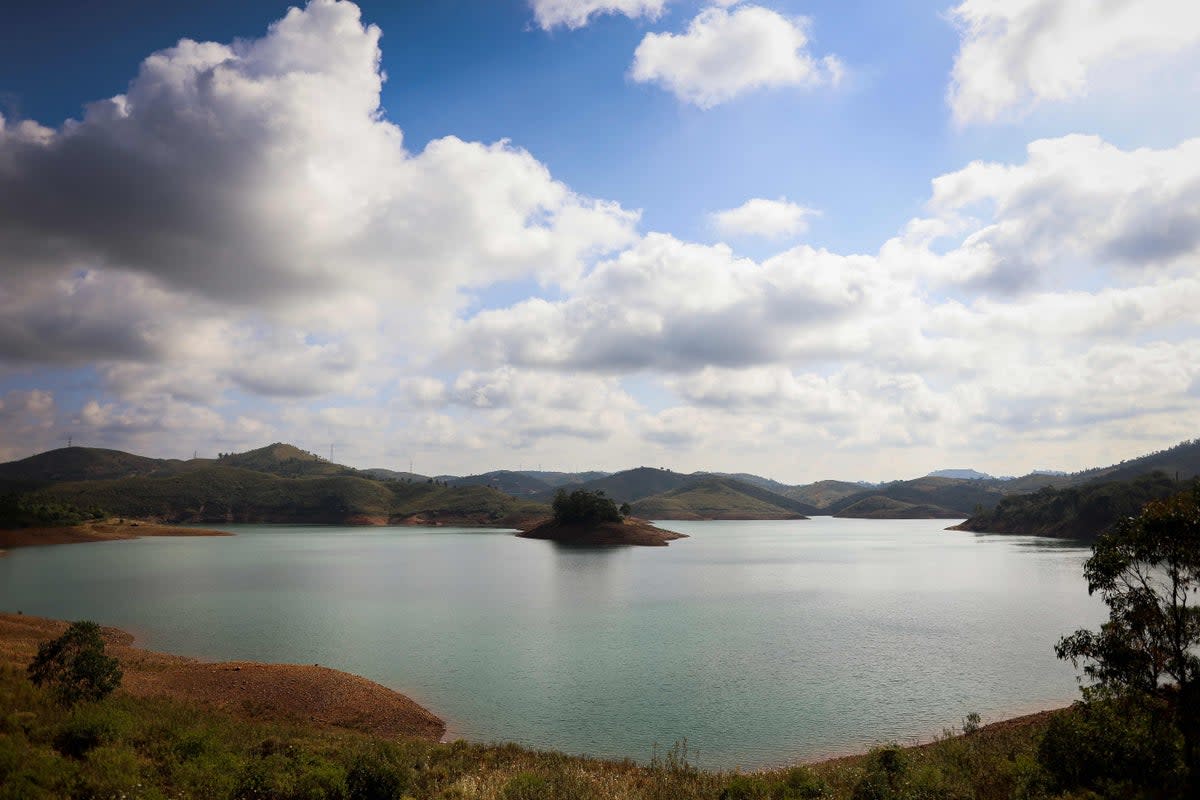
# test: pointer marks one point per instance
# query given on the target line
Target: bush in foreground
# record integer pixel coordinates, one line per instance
(74, 666)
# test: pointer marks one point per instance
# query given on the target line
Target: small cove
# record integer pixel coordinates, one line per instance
(758, 642)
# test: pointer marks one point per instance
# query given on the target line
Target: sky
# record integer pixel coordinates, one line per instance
(822, 239)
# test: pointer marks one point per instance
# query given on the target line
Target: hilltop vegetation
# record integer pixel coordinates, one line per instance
(719, 498)
(254, 486)
(879, 506)
(80, 464)
(823, 494)
(277, 483)
(284, 460)
(1076, 512)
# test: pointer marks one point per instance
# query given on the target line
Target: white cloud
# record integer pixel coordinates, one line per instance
(1037, 299)
(1077, 207)
(240, 249)
(578, 13)
(726, 52)
(1017, 53)
(772, 219)
(246, 208)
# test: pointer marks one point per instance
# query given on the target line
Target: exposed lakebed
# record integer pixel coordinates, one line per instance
(760, 642)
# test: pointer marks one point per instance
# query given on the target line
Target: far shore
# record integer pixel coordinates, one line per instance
(108, 530)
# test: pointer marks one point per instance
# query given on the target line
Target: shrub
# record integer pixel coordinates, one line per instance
(527, 786)
(376, 776)
(746, 787)
(1116, 746)
(799, 783)
(886, 776)
(88, 728)
(74, 666)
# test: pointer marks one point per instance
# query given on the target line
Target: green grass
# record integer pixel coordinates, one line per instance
(151, 748)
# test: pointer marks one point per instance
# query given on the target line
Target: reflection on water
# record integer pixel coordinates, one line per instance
(760, 642)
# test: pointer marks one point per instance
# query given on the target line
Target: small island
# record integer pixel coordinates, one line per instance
(592, 518)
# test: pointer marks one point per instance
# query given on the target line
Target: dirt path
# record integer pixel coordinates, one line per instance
(280, 692)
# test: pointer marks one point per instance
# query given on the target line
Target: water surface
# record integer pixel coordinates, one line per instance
(758, 642)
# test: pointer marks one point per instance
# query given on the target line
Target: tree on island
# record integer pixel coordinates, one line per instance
(1138, 726)
(584, 507)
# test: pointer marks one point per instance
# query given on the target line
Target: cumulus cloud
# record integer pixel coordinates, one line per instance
(725, 52)
(240, 249)
(771, 219)
(1017, 53)
(1017, 310)
(1076, 207)
(578, 13)
(255, 193)
(678, 306)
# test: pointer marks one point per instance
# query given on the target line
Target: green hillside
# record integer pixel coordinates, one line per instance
(1074, 512)
(718, 498)
(957, 498)
(285, 460)
(515, 483)
(556, 479)
(277, 483)
(878, 506)
(631, 485)
(823, 494)
(80, 464)
(219, 493)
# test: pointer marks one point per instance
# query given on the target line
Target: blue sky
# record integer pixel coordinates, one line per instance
(988, 236)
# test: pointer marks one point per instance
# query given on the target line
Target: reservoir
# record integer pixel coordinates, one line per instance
(760, 643)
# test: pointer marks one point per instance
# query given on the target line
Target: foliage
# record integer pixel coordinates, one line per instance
(177, 750)
(1079, 512)
(1115, 745)
(1147, 571)
(715, 497)
(219, 493)
(26, 511)
(377, 775)
(74, 666)
(582, 506)
(797, 783)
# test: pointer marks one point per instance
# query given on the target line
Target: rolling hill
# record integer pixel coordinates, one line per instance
(1074, 512)
(80, 464)
(630, 485)
(276, 483)
(879, 506)
(285, 460)
(948, 497)
(719, 498)
(517, 484)
(822, 494)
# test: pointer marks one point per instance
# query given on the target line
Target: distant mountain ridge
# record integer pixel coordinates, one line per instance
(236, 486)
(961, 474)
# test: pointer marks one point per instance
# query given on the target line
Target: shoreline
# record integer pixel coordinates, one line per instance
(291, 693)
(1023, 718)
(325, 697)
(109, 530)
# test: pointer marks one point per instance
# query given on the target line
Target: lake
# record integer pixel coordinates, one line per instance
(760, 643)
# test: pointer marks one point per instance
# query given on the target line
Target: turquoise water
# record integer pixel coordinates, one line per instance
(759, 642)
